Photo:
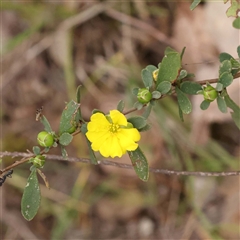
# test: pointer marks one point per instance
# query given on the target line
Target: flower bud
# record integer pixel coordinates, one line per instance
(155, 74)
(144, 95)
(38, 161)
(45, 139)
(210, 93)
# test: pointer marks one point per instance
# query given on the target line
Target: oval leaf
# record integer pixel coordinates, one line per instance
(225, 66)
(204, 105)
(31, 197)
(170, 66)
(156, 94)
(36, 150)
(140, 164)
(46, 124)
(164, 87)
(147, 78)
(222, 106)
(183, 102)
(226, 79)
(190, 87)
(238, 51)
(151, 68)
(138, 122)
(65, 139)
(120, 106)
(68, 116)
(225, 56)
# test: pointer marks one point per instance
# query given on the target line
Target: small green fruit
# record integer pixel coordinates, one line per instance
(144, 95)
(210, 93)
(39, 161)
(45, 139)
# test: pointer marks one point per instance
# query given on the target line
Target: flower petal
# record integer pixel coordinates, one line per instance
(118, 118)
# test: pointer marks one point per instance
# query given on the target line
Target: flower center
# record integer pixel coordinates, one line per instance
(113, 128)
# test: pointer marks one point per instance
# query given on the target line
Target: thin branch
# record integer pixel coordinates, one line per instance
(116, 164)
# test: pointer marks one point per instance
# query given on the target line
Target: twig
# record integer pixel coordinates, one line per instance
(116, 164)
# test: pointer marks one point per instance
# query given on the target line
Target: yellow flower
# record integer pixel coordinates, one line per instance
(112, 135)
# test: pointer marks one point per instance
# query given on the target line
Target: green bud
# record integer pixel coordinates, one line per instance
(45, 139)
(144, 95)
(38, 161)
(210, 93)
(155, 74)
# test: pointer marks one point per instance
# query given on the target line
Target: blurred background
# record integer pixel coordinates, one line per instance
(48, 49)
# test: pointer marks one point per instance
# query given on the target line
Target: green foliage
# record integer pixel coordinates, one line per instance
(120, 106)
(65, 139)
(31, 196)
(46, 124)
(170, 66)
(140, 164)
(194, 4)
(221, 104)
(205, 104)
(190, 87)
(164, 87)
(138, 122)
(68, 117)
(147, 78)
(183, 101)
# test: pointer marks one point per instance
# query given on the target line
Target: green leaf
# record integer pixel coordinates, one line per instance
(147, 78)
(183, 74)
(139, 163)
(225, 66)
(236, 23)
(238, 51)
(164, 87)
(36, 150)
(31, 197)
(236, 109)
(226, 79)
(145, 128)
(204, 105)
(138, 105)
(151, 68)
(147, 111)
(194, 4)
(224, 56)
(137, 121)
(233, 9)
(65, 139)
(180, 113)
(230, 103)
(68, 116)
(135, 91)
(120, 106)
(183, 101)
(91, 152)
(219, 87)
(222, 106)
(190, 87)
(182, 53)
(236, 118)
(78, 97)
(46, 124)
(170, 66)
(235, 63)
(156, 94)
